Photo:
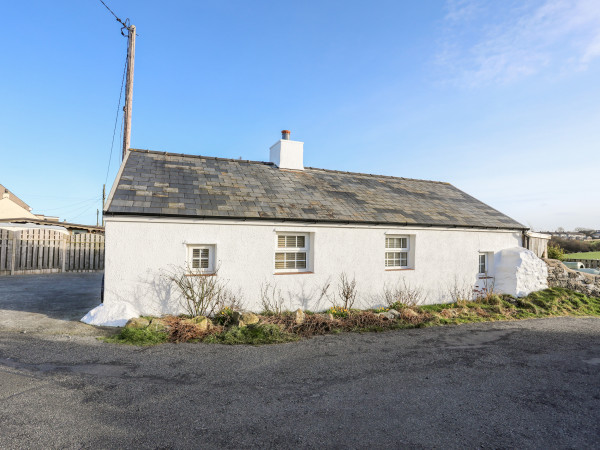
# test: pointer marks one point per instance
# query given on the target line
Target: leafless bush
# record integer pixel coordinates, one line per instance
(345, 294)
(271, 299)
(201, 295)
(460, 291)
(485, 293)
(404, 295)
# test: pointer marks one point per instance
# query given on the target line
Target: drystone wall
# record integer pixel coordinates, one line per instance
(560, 276)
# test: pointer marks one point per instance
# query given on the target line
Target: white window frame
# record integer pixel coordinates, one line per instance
(211, 258)
(389, 250)
(290, 250)
(486, 266)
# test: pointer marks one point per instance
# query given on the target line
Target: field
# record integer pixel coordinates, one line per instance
(585, 255)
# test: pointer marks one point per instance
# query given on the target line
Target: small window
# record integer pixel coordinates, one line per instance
(292, 251)
(201, 258)
(483, 266)
(396, 251)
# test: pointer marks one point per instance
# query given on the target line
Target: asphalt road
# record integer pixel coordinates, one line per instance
(528, 384)
(49, 304)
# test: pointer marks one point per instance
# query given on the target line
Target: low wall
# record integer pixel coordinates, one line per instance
(587, 263)
(561, 276)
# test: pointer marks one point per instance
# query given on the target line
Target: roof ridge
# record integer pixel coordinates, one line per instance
(155, 152)
(187, 155)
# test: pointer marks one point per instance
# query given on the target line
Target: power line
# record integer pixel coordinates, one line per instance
(111, 11)
(116, 119)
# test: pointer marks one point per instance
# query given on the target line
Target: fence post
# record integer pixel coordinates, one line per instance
(13, 252)
(63, 251)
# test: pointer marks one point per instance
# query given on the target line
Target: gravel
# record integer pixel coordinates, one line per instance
(531, 384)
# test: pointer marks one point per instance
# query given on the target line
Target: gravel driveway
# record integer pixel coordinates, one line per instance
(532, 384)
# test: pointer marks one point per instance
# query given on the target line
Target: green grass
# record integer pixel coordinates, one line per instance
(137, 336)
(585, 255)
(253, 335)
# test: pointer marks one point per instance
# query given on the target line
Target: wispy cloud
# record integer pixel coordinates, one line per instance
(485, 41)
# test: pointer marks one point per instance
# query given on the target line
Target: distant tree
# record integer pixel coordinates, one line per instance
(560, 230)
(586, 231)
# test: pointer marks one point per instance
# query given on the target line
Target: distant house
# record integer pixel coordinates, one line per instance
(12, 206)
(282, 224)
(16, 211)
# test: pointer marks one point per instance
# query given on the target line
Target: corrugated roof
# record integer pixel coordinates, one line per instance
(168, 184)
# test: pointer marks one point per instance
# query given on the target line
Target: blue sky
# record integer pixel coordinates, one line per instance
(500, 99)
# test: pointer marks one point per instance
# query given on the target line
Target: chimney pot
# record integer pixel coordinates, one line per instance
(285, 135)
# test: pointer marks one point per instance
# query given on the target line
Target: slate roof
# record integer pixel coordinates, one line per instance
(168, 184)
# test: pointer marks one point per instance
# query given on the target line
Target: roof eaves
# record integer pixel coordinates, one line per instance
(329, 221)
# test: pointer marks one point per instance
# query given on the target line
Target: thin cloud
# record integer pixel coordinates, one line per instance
(487, 42)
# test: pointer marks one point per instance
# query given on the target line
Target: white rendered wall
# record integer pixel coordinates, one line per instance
(139, 250)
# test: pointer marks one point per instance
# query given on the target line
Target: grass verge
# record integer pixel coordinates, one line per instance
(279, 328)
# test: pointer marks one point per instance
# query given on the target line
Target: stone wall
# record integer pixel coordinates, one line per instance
(560, 276)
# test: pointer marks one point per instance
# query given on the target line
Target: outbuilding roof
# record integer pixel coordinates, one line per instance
(167, 184)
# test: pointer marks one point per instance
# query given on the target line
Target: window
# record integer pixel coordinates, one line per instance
(396, 251)
(483, 266)
(291, 253)
(201, 258)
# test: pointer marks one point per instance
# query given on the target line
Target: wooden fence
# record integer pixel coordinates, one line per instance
(41, 250)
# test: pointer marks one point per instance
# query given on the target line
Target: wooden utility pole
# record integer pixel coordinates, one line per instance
(103, 199)
(128, 89)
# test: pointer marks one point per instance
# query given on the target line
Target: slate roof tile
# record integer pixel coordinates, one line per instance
(158, 183)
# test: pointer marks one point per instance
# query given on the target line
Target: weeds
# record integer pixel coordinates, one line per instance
(201, 294)
(282, 327)
(403, 295)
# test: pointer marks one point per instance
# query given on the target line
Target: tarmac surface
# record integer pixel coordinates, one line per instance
(49, 303)
(526, 384)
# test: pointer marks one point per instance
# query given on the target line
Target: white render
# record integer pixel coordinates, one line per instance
(139, 250)
(519, 272)
(287, 154)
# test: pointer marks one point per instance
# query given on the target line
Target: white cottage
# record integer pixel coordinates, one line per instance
(282, 224)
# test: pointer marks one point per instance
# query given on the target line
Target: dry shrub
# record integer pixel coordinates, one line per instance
(345, 292)
(201, 294)
(410, 316)
(271, 299)
(403, 295)
(449, 313)
(183, 330)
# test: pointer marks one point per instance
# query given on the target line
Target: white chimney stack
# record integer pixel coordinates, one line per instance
(287, 154)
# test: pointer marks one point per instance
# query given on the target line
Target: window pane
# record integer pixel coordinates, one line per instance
(195, 263)
(285, 241)
(404, 259)
(396, 242)
(196, 253)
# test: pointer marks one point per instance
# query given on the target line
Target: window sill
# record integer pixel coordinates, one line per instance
(293, 273)
(212, 274)
(397, 270)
